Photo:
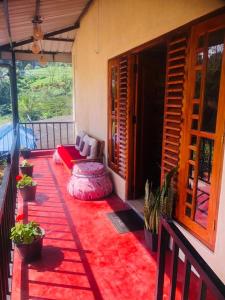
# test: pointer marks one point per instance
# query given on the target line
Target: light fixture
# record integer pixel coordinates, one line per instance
(37, 32)
(35, 48)
(42, 60)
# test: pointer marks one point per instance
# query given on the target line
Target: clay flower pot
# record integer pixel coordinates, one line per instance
(27, 170)
(31, 252)
(28, 193)
(151, 240)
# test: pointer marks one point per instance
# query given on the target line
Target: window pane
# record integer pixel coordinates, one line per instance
(193, 140)
(194, 124)
(198, 77)
(188, 211)
(204, 180)
(195, 109)
(190, 177)
(201, 41)
(199, 58)
(212, 82)
(189, 198)
(192, 155)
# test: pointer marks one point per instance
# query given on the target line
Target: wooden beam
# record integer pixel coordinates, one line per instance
(63, 30)
(6, 14)
(43, 52)
(14, 44)
(59, 39)
(84, 10)
(36, 18)
(7, 47)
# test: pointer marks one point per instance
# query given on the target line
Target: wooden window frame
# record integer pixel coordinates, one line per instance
(206, 235)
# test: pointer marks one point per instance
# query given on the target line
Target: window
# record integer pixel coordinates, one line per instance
(202, 150)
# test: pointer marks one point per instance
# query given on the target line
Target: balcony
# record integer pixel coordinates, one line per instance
(84, 257)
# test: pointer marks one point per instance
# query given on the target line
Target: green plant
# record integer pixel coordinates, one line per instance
(158, 202)
(25, 233)
(23, 181)
(25, 163)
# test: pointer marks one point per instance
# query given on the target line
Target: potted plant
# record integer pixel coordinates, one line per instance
(26, 168)
(157, 202)
(28, 239)
(27, 187)
(25, 152)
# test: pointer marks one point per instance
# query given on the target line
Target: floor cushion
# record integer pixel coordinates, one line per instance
(89, 181)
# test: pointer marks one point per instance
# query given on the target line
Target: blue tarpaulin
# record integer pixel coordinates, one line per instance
(27, 138)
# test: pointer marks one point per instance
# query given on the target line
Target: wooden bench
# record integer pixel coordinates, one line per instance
(69, 155)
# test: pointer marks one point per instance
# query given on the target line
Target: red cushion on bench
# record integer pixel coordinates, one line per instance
(68, 153)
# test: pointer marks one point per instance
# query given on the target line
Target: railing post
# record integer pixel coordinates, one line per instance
(13, 82)
(161, 258)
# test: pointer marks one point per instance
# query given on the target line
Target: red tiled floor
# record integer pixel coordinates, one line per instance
(84, 257)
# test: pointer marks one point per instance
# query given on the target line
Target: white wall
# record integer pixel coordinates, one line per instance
(109, 28)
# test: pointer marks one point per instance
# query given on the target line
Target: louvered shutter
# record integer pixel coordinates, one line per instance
(123, 116)
(174, 94)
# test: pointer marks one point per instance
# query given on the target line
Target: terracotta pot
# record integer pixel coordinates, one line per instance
(27, 170)
(151, 240)
(25, 153)
(28, 193)
(31, 252)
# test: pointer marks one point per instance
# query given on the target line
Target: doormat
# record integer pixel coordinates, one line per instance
(126, 220)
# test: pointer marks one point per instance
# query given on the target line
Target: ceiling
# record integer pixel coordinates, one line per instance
(60, 22)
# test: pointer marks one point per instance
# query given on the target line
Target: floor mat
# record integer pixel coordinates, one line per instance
(126, 220)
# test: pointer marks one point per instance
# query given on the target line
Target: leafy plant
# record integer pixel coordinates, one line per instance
(158, 202)
(25, 233)
(23, 181)
(25, 163)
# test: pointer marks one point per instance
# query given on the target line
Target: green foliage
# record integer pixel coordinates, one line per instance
(43, 92)
(25, 181)
(25, 233)
(158, 202)
(25, 163)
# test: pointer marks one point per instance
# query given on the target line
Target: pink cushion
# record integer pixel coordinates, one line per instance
(88, 169)
(86, 188)
(68, 153)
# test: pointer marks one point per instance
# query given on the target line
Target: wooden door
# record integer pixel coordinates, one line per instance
(176, 76)
(202, 141)
(121, 89)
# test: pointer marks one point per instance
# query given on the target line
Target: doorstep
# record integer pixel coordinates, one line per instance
(138, 206)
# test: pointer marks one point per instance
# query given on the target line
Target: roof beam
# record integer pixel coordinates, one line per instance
(7, 47)
(59, 39)
(43, 52)
(6, 13)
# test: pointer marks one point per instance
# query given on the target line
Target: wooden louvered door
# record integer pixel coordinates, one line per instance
(173, 103)
(120, 114)
(123, 117)
(113, 104)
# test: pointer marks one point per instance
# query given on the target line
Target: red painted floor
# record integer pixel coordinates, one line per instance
(84, 257)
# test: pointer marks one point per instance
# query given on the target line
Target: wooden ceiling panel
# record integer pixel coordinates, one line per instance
(56, 15)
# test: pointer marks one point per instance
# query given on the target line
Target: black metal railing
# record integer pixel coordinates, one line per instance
(46, 135)
(208, 280)
(7, 216)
